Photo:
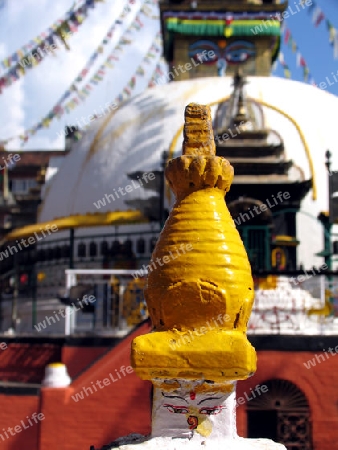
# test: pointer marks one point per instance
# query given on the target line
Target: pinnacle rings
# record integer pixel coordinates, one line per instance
(190, 173)
(198, 132)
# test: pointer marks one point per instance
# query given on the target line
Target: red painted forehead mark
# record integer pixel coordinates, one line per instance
(192, 395)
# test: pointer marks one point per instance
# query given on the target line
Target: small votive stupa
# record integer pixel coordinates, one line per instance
(199, 299)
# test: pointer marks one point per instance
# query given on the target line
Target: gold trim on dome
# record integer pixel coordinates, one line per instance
(80, 221)
(80, 174)
(302, 137)
(174, 141)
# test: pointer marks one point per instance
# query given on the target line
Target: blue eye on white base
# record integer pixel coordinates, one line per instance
(200, 51)
(211, 411)
(239, 52)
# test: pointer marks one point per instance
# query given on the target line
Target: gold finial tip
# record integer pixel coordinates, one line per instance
(198, 133)
(194, 110)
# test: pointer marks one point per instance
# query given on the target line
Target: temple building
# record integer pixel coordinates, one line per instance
(109, 202)
(22, 174)
(221, 54)
(267, 223)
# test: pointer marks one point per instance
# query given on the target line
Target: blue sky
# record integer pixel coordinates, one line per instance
(313, 44)
(28, 100)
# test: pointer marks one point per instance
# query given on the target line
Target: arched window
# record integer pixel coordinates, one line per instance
(282, 414)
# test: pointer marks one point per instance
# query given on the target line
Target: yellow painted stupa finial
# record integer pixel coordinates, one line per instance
(199, 290)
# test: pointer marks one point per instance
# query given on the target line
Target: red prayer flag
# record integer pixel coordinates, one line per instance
(287, 36)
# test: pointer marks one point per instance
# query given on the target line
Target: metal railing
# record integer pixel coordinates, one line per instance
(118, 300)
(92, 301)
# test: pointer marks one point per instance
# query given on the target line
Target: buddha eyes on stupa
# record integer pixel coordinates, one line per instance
(177, 409)
(212, 411)
(209, 411)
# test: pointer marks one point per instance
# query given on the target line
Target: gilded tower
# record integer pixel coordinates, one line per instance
(214, 37)
(241, 40)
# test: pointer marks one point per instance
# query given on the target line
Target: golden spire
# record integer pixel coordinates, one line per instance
(241, 116)
(199, 290)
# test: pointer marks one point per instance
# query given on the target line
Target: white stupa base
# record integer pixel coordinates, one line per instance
(56, 376)
(138, 442)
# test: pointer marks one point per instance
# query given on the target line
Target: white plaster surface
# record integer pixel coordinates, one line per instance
(210, 414)
(56, 377)
(214, 428)
(138, 442)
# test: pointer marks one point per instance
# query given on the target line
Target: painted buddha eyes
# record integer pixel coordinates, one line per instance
(209, 411)
(239, 52)
(177, 409)
(199, 51)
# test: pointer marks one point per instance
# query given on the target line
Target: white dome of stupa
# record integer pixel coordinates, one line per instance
(134, 137)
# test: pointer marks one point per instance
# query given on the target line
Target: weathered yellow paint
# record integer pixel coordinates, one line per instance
(55, 365)
(218, 355)
(204, 428)
(199, 300)
(202, 388)
(326, 310)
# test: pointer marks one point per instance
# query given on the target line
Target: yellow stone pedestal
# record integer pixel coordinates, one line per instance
(199, 272)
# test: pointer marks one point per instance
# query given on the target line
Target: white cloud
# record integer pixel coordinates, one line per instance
(25, 102)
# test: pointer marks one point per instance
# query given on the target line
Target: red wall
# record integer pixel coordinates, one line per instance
(319, 384)
(13, 409)
(124, 406)
(26, 363)
(121, 408)
(116, 410)
(78, 359)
